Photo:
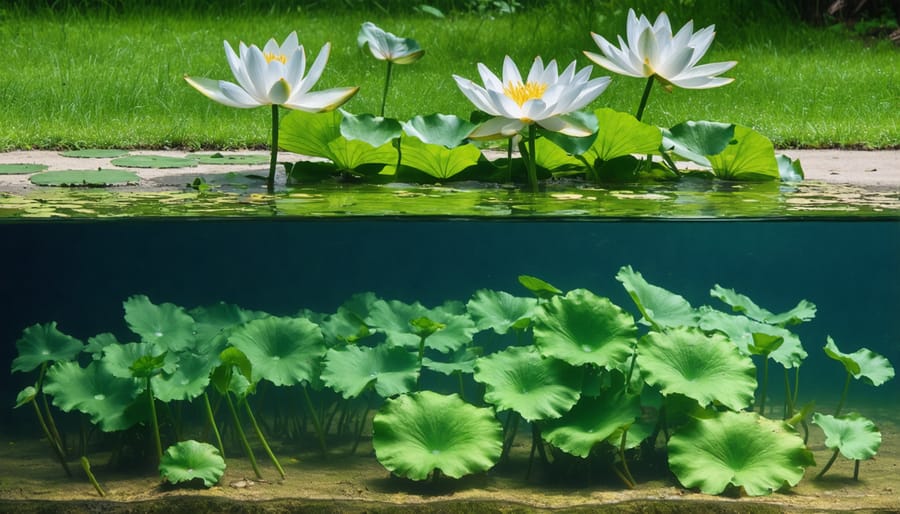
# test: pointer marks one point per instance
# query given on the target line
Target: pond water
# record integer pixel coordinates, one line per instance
(79, 272)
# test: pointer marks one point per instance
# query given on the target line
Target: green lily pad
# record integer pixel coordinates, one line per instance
(583, 328)
(789, 169)
(153, 161)
(620, 134)
(660, 307)
(459, 361)
(742, 330)
(444, 130)
(592, 421)
(696, 140)
(536, 387)
(436, 160)
(97, 343)
(392, 369)
(742, 449)
(374, 130)
(862, 363)
(707, 368)
(319, 135)
(416, 434)
(282, 350)
(167, 325)
(95, 153)
(499, 310)
(803, 311)
(538, 287)
(191, 460)
(752, 157)
(189, 379)
(93, 391)
(855, 436)
(90, 178)
(42, 343)
(119, 359)
(21, 169)
(218, 158)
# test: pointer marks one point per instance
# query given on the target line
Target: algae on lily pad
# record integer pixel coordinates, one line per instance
(21, 169)
(87, 178)
(742, 449)
(43, 342)
(426, 433)
(583, 328)
(707, 368)
(190, 460)
(153, 161)
(521, 379)
(856, 437)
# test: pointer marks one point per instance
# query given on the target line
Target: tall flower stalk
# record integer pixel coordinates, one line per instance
(390, 48)
(653, 52)
(274, 75)
(546, 98)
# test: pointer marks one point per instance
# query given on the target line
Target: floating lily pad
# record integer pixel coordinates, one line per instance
(218, 158)
(21, 169)
(94, 178)
(189, 460)
(153, 161)
(95, 153)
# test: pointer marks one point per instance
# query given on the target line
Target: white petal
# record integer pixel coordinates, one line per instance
(477, 95)
(325, 100)
(539, 74)
(701, 82)
(510, 72)
(295, 67)
(225, 93)
(237, 68)
(497, 127)
(280, 92)
(256, 67)
(675, 64)
(488, 78)
(315, 71)
(708, 70)
(610, 65)
(565, 125)
(290, 44)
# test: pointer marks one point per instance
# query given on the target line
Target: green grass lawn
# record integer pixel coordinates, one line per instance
(99, 80)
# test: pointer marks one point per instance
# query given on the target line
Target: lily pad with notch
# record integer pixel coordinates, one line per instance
(153, 161)
(84, 178)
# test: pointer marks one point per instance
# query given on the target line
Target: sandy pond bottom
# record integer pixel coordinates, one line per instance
(32, 482)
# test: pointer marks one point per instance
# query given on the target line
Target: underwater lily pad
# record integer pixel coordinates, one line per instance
(855, 436)
(119, 360)
(741, 331)
(349, 371)
(188, 380)
(583, 328)
(459, 361)
(538, 287)
(415, 435)
(167, 325)
(43, 342)
(93, 391)
(707, 368)
(153, 161)
(219, 158)
(190, 460)
(742, 449)
(95, 153)
(90, 178)
(862, 363)
(21, 169)
(660, 307)
(536, 387)
(499, 310)
(591, 421)
(803, 311)
(282, 350)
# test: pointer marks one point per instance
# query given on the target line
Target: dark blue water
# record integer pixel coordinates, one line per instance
(78, 274)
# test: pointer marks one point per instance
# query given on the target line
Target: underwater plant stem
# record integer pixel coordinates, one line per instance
(462, 388)
(387, 83)
(630, 369)
(359, 429)
(86, 465)
(788, 396)
(765, 386)
(630, 482)
(644, 97)
(530, 161)
(57, 449)
(240, 431)
(840, 406)
(856, 470)
(315, 419)
(51, 423)
(262, 438)
(212, 423)
(509, 433)
(154, 421)
(273, 161)
(796, 385)
(828, 464)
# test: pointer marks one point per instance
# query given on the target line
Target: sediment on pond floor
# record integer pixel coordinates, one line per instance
(31, 482)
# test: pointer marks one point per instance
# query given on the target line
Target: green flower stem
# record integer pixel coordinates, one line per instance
(212, 423)
(828, 464)
(153, 421)
(273, 162)
(57, 448)
(315, 419)
(840, 406)
(262, 439)
(530, 161)
(242, 435)
(509, 151)
(387, 83)
(86, 466)
(644, 97)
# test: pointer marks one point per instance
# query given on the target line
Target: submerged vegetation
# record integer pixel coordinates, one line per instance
(452, 385)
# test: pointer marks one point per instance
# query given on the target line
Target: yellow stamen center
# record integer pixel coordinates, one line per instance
(521, 93)
(275, 57)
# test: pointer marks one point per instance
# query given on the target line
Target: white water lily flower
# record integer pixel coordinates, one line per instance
(652, 51)
(545, 97)
(274, 75)
(388, 47)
